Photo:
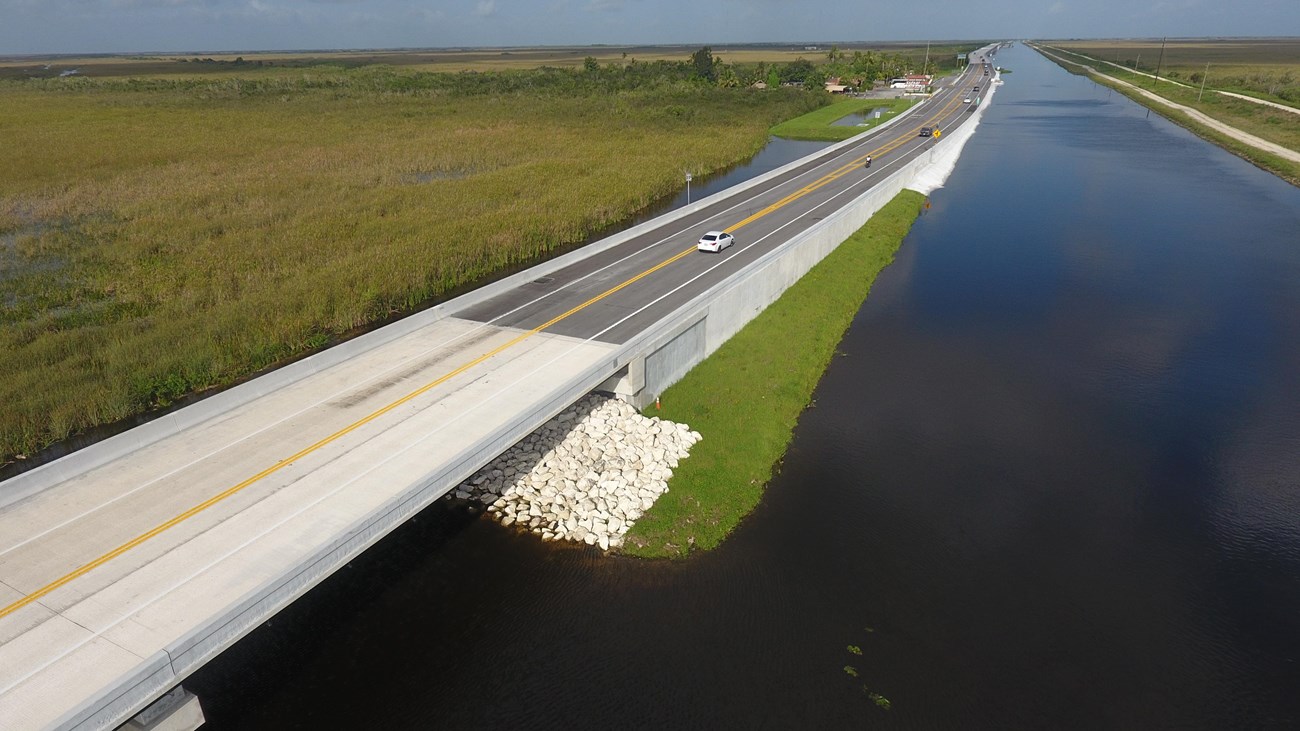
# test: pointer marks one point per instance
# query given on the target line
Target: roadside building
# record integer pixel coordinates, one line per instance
(917, 82)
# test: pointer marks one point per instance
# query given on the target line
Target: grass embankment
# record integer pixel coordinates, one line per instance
(160, 237)
(746, 397)
(817, 124)
(1274, 125)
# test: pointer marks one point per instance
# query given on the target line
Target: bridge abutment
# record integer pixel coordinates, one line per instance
(177, 710)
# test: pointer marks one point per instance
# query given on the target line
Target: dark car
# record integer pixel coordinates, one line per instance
(927, 131)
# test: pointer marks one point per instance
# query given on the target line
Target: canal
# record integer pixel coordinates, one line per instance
(1052, 482)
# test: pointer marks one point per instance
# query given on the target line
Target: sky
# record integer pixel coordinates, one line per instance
(127, 26)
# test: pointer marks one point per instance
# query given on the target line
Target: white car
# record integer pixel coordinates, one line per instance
(715, 241)
(966, 100)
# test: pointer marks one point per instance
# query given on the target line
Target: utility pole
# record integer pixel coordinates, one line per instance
(1203, 77)
(1162, 57)
(926, 68)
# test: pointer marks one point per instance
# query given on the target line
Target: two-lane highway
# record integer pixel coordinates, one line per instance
(615, 294)
(122, 575)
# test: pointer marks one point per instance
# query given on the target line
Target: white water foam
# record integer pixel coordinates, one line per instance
(944, 159)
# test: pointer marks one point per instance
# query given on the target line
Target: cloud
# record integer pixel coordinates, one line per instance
(430, 15)
(485, 7)
(154, 3)
(258, 8)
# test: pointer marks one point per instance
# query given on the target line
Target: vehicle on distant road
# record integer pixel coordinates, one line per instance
(927, 131)
(966, 100)
(715, 241)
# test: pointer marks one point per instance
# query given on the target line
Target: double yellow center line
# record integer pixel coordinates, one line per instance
(305, 451)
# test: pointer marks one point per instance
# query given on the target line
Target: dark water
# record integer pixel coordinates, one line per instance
(1053, 482)
(776, 153)
(863, 117)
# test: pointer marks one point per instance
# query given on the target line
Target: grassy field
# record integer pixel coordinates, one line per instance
(159, 237)
(1265, 67)
(817, 124)
(439, 60)
(747, 397)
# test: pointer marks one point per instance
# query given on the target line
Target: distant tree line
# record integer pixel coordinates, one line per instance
(239, 61)
(701, 69)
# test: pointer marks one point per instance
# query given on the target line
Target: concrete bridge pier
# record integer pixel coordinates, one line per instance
(177, 710)
(660, 361)
(628, 384)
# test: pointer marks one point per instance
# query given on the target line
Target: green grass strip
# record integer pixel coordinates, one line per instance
(747, 397)
(816, 125)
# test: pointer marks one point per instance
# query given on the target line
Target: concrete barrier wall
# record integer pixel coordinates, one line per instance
(150, 680)
(670, 362)
(730, 305)
(107, 450)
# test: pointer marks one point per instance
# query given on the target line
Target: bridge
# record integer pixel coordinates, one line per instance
(129, 564)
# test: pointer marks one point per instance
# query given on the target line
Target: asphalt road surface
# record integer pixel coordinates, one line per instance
(663, 264)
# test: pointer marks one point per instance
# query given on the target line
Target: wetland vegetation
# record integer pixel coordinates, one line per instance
(174, 231)
(163, 236)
